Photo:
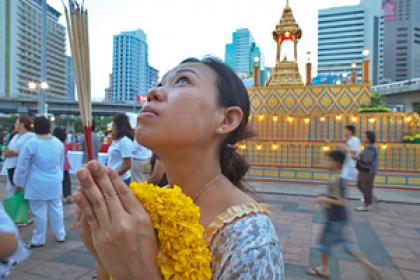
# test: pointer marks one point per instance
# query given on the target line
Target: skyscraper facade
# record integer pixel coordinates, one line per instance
(20, 49)
(131, 72)
(240, 54)
(343, 34)
(402, 39)
(70, 79)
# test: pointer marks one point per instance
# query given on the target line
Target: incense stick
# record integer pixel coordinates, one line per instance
(78, 32)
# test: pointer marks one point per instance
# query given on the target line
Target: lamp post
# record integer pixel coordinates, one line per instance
(256, 71)
(39, 88)
(365, 67)
(345, 75)
(309, 70)
(353, 73)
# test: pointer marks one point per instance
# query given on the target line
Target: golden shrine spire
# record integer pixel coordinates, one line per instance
(286, 72)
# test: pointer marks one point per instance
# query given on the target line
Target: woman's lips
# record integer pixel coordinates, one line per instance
(148, 114)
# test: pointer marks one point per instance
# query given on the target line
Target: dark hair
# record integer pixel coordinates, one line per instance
(337, 156)
(93, 126)
(371, 137)
(351, 128)
(60, 134)
(26, 121)
(123, 126)
(42, 125)
(232, 92)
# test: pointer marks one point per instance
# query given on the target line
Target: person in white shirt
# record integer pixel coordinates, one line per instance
(352, 149)
(40, 172)
(12, 250)
(140, 159)
(120, 151)
(22, 127)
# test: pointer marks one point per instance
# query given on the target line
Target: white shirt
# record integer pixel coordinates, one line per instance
(21, 253)
(349, 168)
(140, 152)
(16, 144)
(119, 150)
(40, 168)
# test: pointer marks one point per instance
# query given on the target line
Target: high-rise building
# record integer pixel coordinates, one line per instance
(343, 34)
(20, 49)
(240, 54)
(154, 76)
(108, 90)
(402, 39)
(70, 79)
(130, 68)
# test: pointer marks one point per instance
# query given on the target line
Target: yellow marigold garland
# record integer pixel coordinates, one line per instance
(183, 251)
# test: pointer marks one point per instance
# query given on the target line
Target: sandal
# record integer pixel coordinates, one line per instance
(314, 271)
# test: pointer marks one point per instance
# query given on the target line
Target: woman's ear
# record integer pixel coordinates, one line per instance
(232, 118)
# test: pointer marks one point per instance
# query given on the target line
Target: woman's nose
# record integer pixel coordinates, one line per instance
(155, 94)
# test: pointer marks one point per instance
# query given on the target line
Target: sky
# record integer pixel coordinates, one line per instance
(193, 28)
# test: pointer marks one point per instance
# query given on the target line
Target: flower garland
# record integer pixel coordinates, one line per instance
(183, 253)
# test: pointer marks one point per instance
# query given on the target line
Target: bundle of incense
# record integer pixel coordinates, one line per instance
(77, 29)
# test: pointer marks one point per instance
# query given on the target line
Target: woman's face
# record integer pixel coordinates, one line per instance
(182, 111)
(365, 139)
(114, 130)
(19, 127)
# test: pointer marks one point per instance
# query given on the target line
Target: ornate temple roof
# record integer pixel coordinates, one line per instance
(288, 23)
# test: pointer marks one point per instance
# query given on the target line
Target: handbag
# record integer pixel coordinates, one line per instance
(17, 207)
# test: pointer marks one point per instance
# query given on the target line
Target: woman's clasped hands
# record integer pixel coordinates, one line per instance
(114, 226)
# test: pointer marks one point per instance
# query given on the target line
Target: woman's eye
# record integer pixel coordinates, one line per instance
(182, 81)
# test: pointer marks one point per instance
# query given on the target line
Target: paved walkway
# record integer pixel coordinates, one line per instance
(388, 236)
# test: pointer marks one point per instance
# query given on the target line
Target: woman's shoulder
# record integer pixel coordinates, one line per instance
(250, 221)
(245, 245)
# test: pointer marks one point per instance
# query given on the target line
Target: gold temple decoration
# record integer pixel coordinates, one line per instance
(286, 72)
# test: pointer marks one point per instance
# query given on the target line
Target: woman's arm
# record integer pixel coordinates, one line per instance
(23, 166)
(10, 153)
(158, 172)
(125, 166)
(8, 244)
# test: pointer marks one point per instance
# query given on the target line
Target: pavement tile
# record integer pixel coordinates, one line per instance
(76, 257)
(392, 274)
(19, 275)
(406, 232)
(401, 252)
(410, 275)
(413, 265)
(389, 237)
(371, 246)
(350, 271)
(55, 270)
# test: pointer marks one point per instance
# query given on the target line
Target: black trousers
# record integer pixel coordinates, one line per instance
(10, 173)
(66, 184)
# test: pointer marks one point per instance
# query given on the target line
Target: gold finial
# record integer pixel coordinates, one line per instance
(287, 3)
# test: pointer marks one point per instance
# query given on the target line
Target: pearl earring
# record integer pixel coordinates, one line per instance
(220, 129)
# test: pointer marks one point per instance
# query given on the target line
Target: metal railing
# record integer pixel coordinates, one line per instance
(402, 86)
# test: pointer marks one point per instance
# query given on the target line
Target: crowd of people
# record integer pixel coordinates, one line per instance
(203, 161)
(36, 162)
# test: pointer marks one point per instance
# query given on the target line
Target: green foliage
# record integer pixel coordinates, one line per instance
(379, 109)
(413, 139)
(376, 105)
(8, 121)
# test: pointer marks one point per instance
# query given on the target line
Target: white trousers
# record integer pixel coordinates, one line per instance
(44, 211)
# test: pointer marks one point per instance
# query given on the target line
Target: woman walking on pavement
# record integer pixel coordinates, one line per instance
(40, 171)
(367, 165)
